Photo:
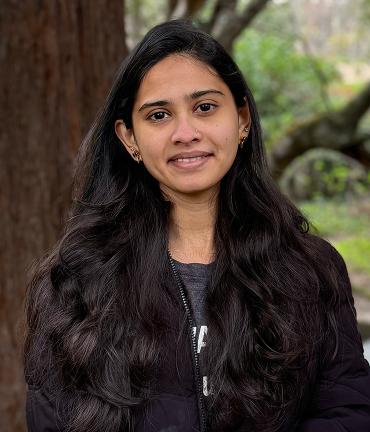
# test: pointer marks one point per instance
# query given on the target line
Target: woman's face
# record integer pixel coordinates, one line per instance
(186, 125)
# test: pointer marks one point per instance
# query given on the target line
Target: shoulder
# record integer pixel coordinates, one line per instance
(328, 259)
(324, 248)
(336, 290)
(329, 273)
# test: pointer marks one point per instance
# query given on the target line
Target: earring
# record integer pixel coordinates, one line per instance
(137, 156)
(242, 139)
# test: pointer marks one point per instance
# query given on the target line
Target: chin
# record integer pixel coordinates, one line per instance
(191, 188)
(196, 189)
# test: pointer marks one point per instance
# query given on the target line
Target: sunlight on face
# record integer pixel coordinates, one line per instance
(186, 125)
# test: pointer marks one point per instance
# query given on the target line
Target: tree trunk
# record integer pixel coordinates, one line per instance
(335, 130)
(58, 59)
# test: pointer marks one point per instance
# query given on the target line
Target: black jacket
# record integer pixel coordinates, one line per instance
(340, 401)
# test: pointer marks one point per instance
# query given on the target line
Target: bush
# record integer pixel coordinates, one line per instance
(320, 173)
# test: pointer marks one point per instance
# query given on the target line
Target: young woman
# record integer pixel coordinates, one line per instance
(186, 293)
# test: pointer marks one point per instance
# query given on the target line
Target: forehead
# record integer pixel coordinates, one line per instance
(177, 76)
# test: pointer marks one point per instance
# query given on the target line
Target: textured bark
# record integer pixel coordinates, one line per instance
(58, 59)
(335, 130)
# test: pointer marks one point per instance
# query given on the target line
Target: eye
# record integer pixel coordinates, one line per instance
(206, 107)
(158, 116)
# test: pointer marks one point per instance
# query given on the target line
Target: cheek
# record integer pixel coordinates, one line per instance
(151, 147)
(154, 159)
(229, 141)
(227, 132)
(229, 148)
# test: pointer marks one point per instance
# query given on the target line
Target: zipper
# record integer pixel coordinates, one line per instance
(199, 386)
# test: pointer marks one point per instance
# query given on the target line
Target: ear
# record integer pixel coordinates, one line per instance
(244, 119)
(126, 136)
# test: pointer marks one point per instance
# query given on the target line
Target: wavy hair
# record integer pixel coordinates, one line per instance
(94, 304)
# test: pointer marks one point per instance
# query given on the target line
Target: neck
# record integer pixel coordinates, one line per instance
(191, 230)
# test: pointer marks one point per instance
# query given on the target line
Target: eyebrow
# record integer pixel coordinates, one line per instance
(195, 95)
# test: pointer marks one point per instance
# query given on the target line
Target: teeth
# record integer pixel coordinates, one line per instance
(187, 160)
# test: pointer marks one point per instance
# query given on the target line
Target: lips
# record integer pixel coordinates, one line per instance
(188, 155)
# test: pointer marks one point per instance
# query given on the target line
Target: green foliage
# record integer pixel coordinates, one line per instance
(356, 252)
(320, 173)
(284, 82)
(334, 219)
(346, 225)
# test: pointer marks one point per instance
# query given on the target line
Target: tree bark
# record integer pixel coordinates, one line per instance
(58, 59)
(334, 130)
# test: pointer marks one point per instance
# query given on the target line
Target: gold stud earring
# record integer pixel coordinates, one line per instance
(243, 139)
(137, 156)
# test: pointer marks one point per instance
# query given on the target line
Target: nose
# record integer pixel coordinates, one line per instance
(185, 132)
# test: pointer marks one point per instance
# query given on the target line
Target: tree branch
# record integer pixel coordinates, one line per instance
(335, 130)
(171, 6)
(207, 26)
(229, 23)
(184, 8)
(356, 107)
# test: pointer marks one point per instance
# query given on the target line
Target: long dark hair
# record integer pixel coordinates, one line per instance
(94, 303)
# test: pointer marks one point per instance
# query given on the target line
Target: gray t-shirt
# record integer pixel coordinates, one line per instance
(195, 277)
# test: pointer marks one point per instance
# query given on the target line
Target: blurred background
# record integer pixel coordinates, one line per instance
(307, 62)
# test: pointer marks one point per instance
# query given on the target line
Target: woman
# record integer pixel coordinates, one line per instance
(186, 293)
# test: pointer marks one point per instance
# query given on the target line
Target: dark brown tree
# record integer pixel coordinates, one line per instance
(57, 62)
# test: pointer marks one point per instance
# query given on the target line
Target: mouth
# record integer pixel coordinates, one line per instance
(189, 156)
(190, 162)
